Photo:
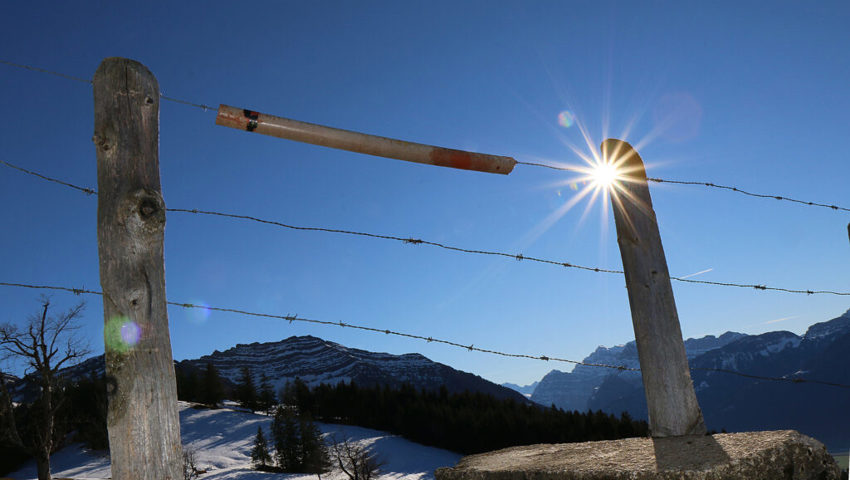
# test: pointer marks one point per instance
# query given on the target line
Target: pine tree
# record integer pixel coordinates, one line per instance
(211, 393)
(314, 453)
(187, 384)
(246, 392)
(267, 396)
(299, 447)
(286, 439)
(260, 453)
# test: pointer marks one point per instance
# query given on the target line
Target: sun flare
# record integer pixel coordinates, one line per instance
(599, 175)
(604, 174)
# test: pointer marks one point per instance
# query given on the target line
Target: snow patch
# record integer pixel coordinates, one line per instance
(222, 441)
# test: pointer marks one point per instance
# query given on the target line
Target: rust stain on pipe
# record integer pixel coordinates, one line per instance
(249, 120)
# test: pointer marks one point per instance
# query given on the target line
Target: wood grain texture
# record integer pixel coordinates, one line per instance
(143, 423)
(670, 396)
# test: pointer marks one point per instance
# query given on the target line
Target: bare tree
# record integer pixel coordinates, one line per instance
(190, 468)
(45, 344)
(355, 460)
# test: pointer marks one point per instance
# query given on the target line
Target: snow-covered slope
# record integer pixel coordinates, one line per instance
(222, 441)
(829, 328)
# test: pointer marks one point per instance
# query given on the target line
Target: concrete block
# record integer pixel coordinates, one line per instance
(775, 455)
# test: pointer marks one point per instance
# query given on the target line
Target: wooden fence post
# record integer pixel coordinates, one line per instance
(144, 427)
(670, 396)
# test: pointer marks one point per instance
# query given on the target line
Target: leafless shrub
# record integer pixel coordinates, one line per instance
(354, 460)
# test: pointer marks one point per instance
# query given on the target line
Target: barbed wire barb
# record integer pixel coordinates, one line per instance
(203, 107)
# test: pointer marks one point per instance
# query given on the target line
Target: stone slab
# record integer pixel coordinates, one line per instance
(774, 455)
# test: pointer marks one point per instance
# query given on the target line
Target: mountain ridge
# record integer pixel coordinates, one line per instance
(573, 390)
(733, 402)
(315, 361)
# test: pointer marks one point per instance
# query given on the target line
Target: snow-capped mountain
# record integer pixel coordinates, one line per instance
(737, 403)
(316, 361)
(828, 329)
(573, 390)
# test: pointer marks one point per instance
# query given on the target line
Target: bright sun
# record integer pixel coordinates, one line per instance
(604, 174)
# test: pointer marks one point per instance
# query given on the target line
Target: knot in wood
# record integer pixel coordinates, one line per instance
(142, 212)
(101, 142)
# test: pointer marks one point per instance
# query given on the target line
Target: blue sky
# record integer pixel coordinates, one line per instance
(725, 92)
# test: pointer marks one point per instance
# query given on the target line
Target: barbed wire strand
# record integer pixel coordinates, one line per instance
(296, 318)
(544, 165)
(407, 240)
(710, 185)
(419, 241)
(87, 191)
(469, 347)
(43, 70)
(89, 81)
(751, 194)
(203, 107)
(771, 379)
(207, 108)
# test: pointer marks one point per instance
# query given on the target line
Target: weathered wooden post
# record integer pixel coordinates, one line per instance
(144, 428)
(670, 396)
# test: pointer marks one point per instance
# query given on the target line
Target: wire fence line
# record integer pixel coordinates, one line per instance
(90, 82)
(295, 318)
(419, 241)
(87, 191)
(44, 70)
(751, 194)
(207, 108)
(707, 184)
(429, 339)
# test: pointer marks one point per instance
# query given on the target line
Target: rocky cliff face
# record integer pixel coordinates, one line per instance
(573, 390)
(316, 361)
(737, 403)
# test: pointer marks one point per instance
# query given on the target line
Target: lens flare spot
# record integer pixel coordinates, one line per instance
(566, 119)
(131, 333)
(121, 334)
(199, 315)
